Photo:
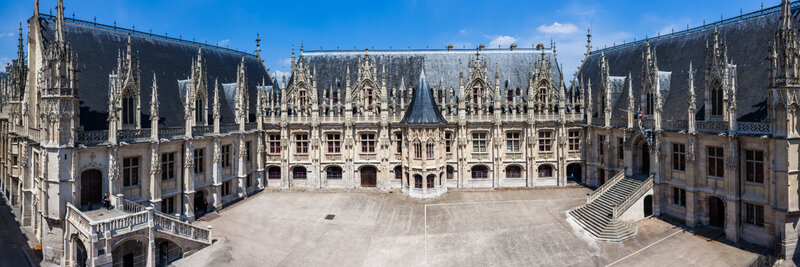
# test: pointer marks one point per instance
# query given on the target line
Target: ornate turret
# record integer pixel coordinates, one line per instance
(784, 96)
(241, 96)
(423, 108)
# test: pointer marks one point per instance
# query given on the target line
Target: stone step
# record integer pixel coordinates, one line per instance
(596, 216)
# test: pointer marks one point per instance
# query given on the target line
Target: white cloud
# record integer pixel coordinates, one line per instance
(3, 62)
(279, 75)
(463, 32)
(558, 28)
(285, 61)
(9, 34)
(502, 41)
(224, 43)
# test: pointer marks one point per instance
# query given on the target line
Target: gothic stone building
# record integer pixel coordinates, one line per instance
(686, 125)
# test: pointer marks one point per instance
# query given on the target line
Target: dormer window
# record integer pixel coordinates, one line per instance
(369, 96)
(716, 98)
(475, 94)
(199, 112)
(302, 95)
(128, 111)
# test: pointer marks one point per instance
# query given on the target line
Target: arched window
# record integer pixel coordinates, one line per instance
(334, 173)
(430, 180)
(398, 172)
(429, 150)
(545, 171)
(274, 173)
(128, 110)
(513, 172)
(417, 150)
(299, 173)
(417, 181)
(716, 98)
(480, 172)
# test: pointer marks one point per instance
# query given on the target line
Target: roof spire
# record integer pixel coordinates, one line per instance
(36, 9)
(786, 14)
(60, 21)
(20, 51)
(154, 100)
(258, 45)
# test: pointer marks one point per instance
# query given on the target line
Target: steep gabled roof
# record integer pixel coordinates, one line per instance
(748, 39)
(170, 59)
(423, 108)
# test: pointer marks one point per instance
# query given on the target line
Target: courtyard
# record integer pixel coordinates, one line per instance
(464, 228)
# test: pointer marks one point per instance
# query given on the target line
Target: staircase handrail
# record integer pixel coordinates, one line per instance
(165, 223)
(169, 224)
(628, 202)
(603, 188)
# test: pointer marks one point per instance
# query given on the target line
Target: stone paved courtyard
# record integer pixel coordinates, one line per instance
(485, 228)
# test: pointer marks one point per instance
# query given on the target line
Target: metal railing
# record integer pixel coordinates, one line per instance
(628, 202)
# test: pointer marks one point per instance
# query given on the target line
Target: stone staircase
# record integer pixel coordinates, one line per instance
(603, 207)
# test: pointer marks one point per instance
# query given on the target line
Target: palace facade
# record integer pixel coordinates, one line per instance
(685, 125)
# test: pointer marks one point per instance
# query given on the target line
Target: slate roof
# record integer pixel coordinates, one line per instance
(423, 108)
(441, 66)
(96, 48)
(749, 39)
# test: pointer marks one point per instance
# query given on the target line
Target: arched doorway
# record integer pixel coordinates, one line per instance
(431, 180)
(574, 173)
(168, 252)
(369, 176)
(648, 206)
(716, 212)
(645, 156)
(129, 254)
(80, 253)
(91, 189)
(200, 204)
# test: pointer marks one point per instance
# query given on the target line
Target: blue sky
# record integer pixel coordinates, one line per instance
(385, 24)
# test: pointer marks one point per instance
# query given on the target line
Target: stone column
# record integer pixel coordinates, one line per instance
(151, 239)
(732, 220)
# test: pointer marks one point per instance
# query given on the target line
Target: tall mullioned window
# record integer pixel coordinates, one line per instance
(716, 162)
(226, 156)
(545, 141)
(513, 141)
(754, 214)
(301, 143)
(601, 143)
(620, 148)
(334, 143)
(368, 143)
(574, 140)
(417, 150)
(274, 143)
(754, 166)
(130, 171)
(429, 150)
(679, 157)
(128, 111)
(398, 140)
(167, 166)
(716, 98)
(479, 142)
(199, 162)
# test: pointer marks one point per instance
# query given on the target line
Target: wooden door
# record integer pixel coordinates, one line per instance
(716, 212)
(369, 177)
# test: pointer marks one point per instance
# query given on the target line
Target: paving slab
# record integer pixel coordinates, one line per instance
(463, 228)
